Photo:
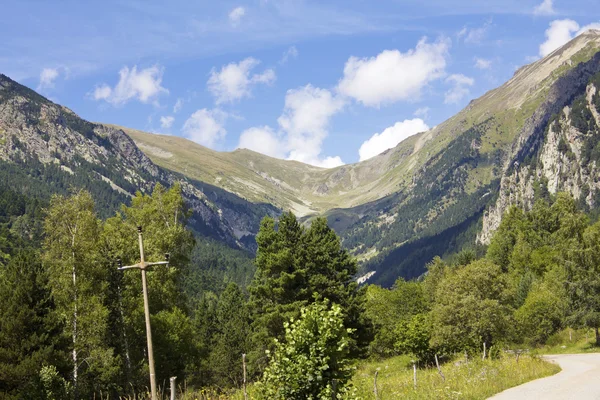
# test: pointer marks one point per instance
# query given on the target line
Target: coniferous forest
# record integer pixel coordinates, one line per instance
(72, 325)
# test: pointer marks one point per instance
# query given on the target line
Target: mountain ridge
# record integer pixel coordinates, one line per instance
(433, 194)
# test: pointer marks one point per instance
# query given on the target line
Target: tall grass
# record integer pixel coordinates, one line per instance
(474, 379)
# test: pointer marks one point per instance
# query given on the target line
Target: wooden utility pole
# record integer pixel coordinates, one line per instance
(143, 265)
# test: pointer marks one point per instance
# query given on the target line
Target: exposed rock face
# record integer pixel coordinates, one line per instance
(34, 128)
(559, 146)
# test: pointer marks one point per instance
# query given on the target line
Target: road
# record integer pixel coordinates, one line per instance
(578, 380)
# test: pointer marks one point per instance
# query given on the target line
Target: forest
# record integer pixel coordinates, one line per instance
(72, 325)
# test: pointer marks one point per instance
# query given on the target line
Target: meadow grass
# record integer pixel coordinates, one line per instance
(570, 341)
(474, 379)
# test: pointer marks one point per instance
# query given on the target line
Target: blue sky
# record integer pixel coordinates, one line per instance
(323, 82)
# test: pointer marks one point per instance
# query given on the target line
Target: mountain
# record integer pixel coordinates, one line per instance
(438, 190)
(45, 148)
(433, 194)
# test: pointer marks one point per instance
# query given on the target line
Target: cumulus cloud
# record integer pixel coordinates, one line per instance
(263, 140)
(392, 76)
(143, 85)
(166, 121)
(290, 53)
(390, 137)
(422, 112)
(560, 32)
(475, 35)
(460, 88)
(305, 120)
(47, 78)
(482, 63)
(205, 127)
(303, 126)
(233, 81)
(235, 16)
(178, 105)
(544, 8)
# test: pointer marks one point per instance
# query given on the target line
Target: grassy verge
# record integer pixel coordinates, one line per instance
(476, 379)
(570, 341)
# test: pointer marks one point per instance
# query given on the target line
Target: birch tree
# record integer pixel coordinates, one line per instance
(77, 280)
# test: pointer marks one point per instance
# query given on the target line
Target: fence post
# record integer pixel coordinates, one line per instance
(437, 363)
(375, 385)
(415, 375)
(244, 366)
(172, 382)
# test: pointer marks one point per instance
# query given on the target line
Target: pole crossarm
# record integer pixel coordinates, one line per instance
(142, 266)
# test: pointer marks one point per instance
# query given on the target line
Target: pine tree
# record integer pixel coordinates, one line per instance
(30, 333)
(296, 267)
(231, 338)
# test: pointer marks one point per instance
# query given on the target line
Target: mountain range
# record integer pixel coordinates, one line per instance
(433, 194)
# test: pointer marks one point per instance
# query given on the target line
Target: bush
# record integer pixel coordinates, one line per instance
(313, 362)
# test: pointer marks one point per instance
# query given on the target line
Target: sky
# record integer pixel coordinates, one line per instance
(322, 82)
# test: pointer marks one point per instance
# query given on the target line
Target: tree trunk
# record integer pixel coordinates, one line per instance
(597, 336)
(75, 316)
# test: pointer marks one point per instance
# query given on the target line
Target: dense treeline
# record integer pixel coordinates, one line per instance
(538, 276)
(72, 326)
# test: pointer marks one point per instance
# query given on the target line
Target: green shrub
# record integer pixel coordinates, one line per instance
(313, 361)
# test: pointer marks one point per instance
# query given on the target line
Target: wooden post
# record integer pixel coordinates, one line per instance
(518, 354)
(570, 334)
(484, 350)
(147, 317)
(415, 375)
(437, 363)
(142, 266)
(375, 385)
(244, 381)
(172, 382)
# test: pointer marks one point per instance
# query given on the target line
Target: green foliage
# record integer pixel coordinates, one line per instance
(231, 337)
(542, 314)
(29, 327)
(78, 278)
(314, 360)
(55, 387)
(471, 307)
(388, 308)
(413, 337)
(292, 264)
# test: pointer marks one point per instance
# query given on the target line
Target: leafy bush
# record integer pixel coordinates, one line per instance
(313, 362)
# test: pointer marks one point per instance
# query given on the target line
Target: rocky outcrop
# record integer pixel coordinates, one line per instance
(34, 128)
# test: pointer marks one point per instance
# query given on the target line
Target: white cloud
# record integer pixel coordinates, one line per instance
(422, 112)
(305, 120)
(482, 63)
(144, 86)
(303, 125)
(205, 127)
(235, 16)
(290, 53)
(263, 140)
(392, 75)
(460, 89)
(544, 8)
(390, 137)
(47, 78)
(178, 105)
(560, 32)
(475, 35)
(233, 81)
(166, 122)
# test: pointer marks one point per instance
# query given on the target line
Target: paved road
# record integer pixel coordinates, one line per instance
(578, 380)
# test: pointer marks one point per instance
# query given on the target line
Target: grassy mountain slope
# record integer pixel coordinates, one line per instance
(424, 197)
